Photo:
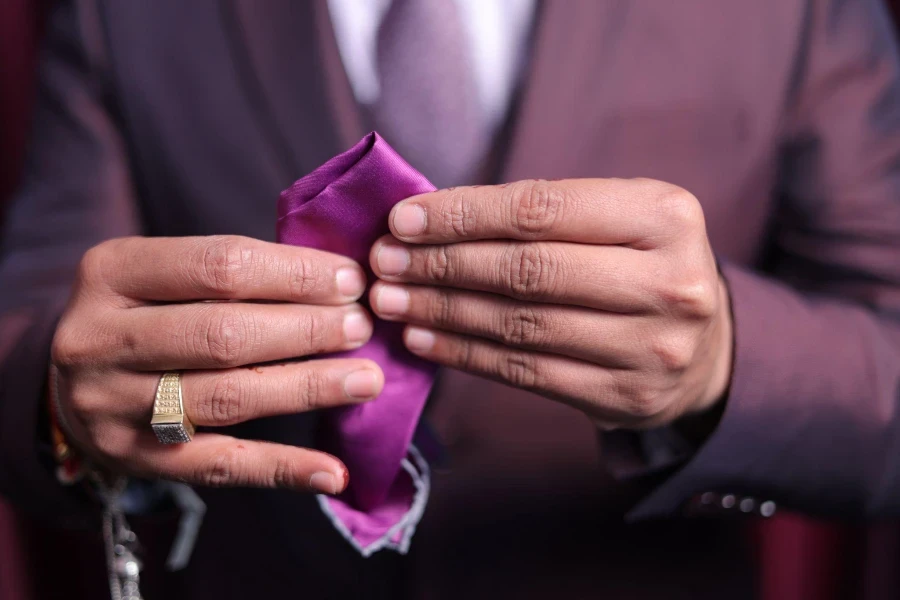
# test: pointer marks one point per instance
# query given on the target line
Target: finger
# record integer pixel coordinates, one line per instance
(640, 212)
(222, 461)
(219, 398)
(225, 267)
(230, 396)
(610, 278)
(220, 335)
(602, 338)
(587, 387)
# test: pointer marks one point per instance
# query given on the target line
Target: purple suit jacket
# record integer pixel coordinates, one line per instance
(781, 116)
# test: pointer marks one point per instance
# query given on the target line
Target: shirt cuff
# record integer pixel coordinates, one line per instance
(634, 454)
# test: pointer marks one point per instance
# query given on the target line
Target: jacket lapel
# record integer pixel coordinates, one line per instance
(289, 59)
(287, 56)
(348, 116)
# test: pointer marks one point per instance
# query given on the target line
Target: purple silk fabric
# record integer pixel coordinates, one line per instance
(343, 207)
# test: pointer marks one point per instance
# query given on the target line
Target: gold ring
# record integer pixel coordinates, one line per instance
(169, 422)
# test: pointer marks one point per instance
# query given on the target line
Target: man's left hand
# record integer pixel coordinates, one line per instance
(601, 293)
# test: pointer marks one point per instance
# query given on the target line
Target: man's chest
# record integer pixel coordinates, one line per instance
(225, 117)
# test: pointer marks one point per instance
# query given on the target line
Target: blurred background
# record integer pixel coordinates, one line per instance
(793, 556)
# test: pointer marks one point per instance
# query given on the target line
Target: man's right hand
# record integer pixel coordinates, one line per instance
(209, 307)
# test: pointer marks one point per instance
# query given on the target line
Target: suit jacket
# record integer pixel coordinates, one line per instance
(781, 116)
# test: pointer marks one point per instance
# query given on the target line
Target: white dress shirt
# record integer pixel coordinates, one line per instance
(497, 37)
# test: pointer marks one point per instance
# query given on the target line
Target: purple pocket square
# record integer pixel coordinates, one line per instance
(343, 207)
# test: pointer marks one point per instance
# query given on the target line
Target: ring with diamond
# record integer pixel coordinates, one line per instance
(169, 422)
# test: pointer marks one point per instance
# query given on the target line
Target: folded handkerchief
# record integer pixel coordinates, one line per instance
(343, 207)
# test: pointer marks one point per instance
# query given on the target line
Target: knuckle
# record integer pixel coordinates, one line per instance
(674, 352)
(536, 207)
(284, 475)
(104, 440)
(223, 469)
(80, 405)
(315, 334)
(69, 349)
(100, 442)
(223, 405)
(646, 405)
(90, 268)
(222, 337)
(643, 402)
(531, 271)
(522, 325)
(440, 309)
(89, 337)
(679, 207)
(304, 277)
(87, 405)
(696, 299)
(457, 213)
(114, 448)
(438, 264)
(223, 263)
(129, 341)
(463, 356)
(95, 263)
(519, 369)
(700, 300)
(312, 392)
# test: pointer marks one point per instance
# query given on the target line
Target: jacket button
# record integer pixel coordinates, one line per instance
(767, 508)
(708, 498)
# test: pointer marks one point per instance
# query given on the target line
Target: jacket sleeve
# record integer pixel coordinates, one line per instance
(76, 192)
(812, 419)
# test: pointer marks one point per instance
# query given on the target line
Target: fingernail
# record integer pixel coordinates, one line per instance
(419, 340)
(361, 384)
(409, 220)
(392, 300)
(357, 327)
(350, 282)
(392, 260)
(324, 482)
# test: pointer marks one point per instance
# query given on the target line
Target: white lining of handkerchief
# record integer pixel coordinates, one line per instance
(420, 474)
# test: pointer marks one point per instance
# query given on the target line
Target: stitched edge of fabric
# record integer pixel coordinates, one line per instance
(417, 468)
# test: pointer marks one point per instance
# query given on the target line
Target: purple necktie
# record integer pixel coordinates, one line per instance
(343, 207)
(428, 106)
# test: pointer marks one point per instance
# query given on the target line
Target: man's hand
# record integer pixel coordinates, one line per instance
(210, 306)
(601, 293)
